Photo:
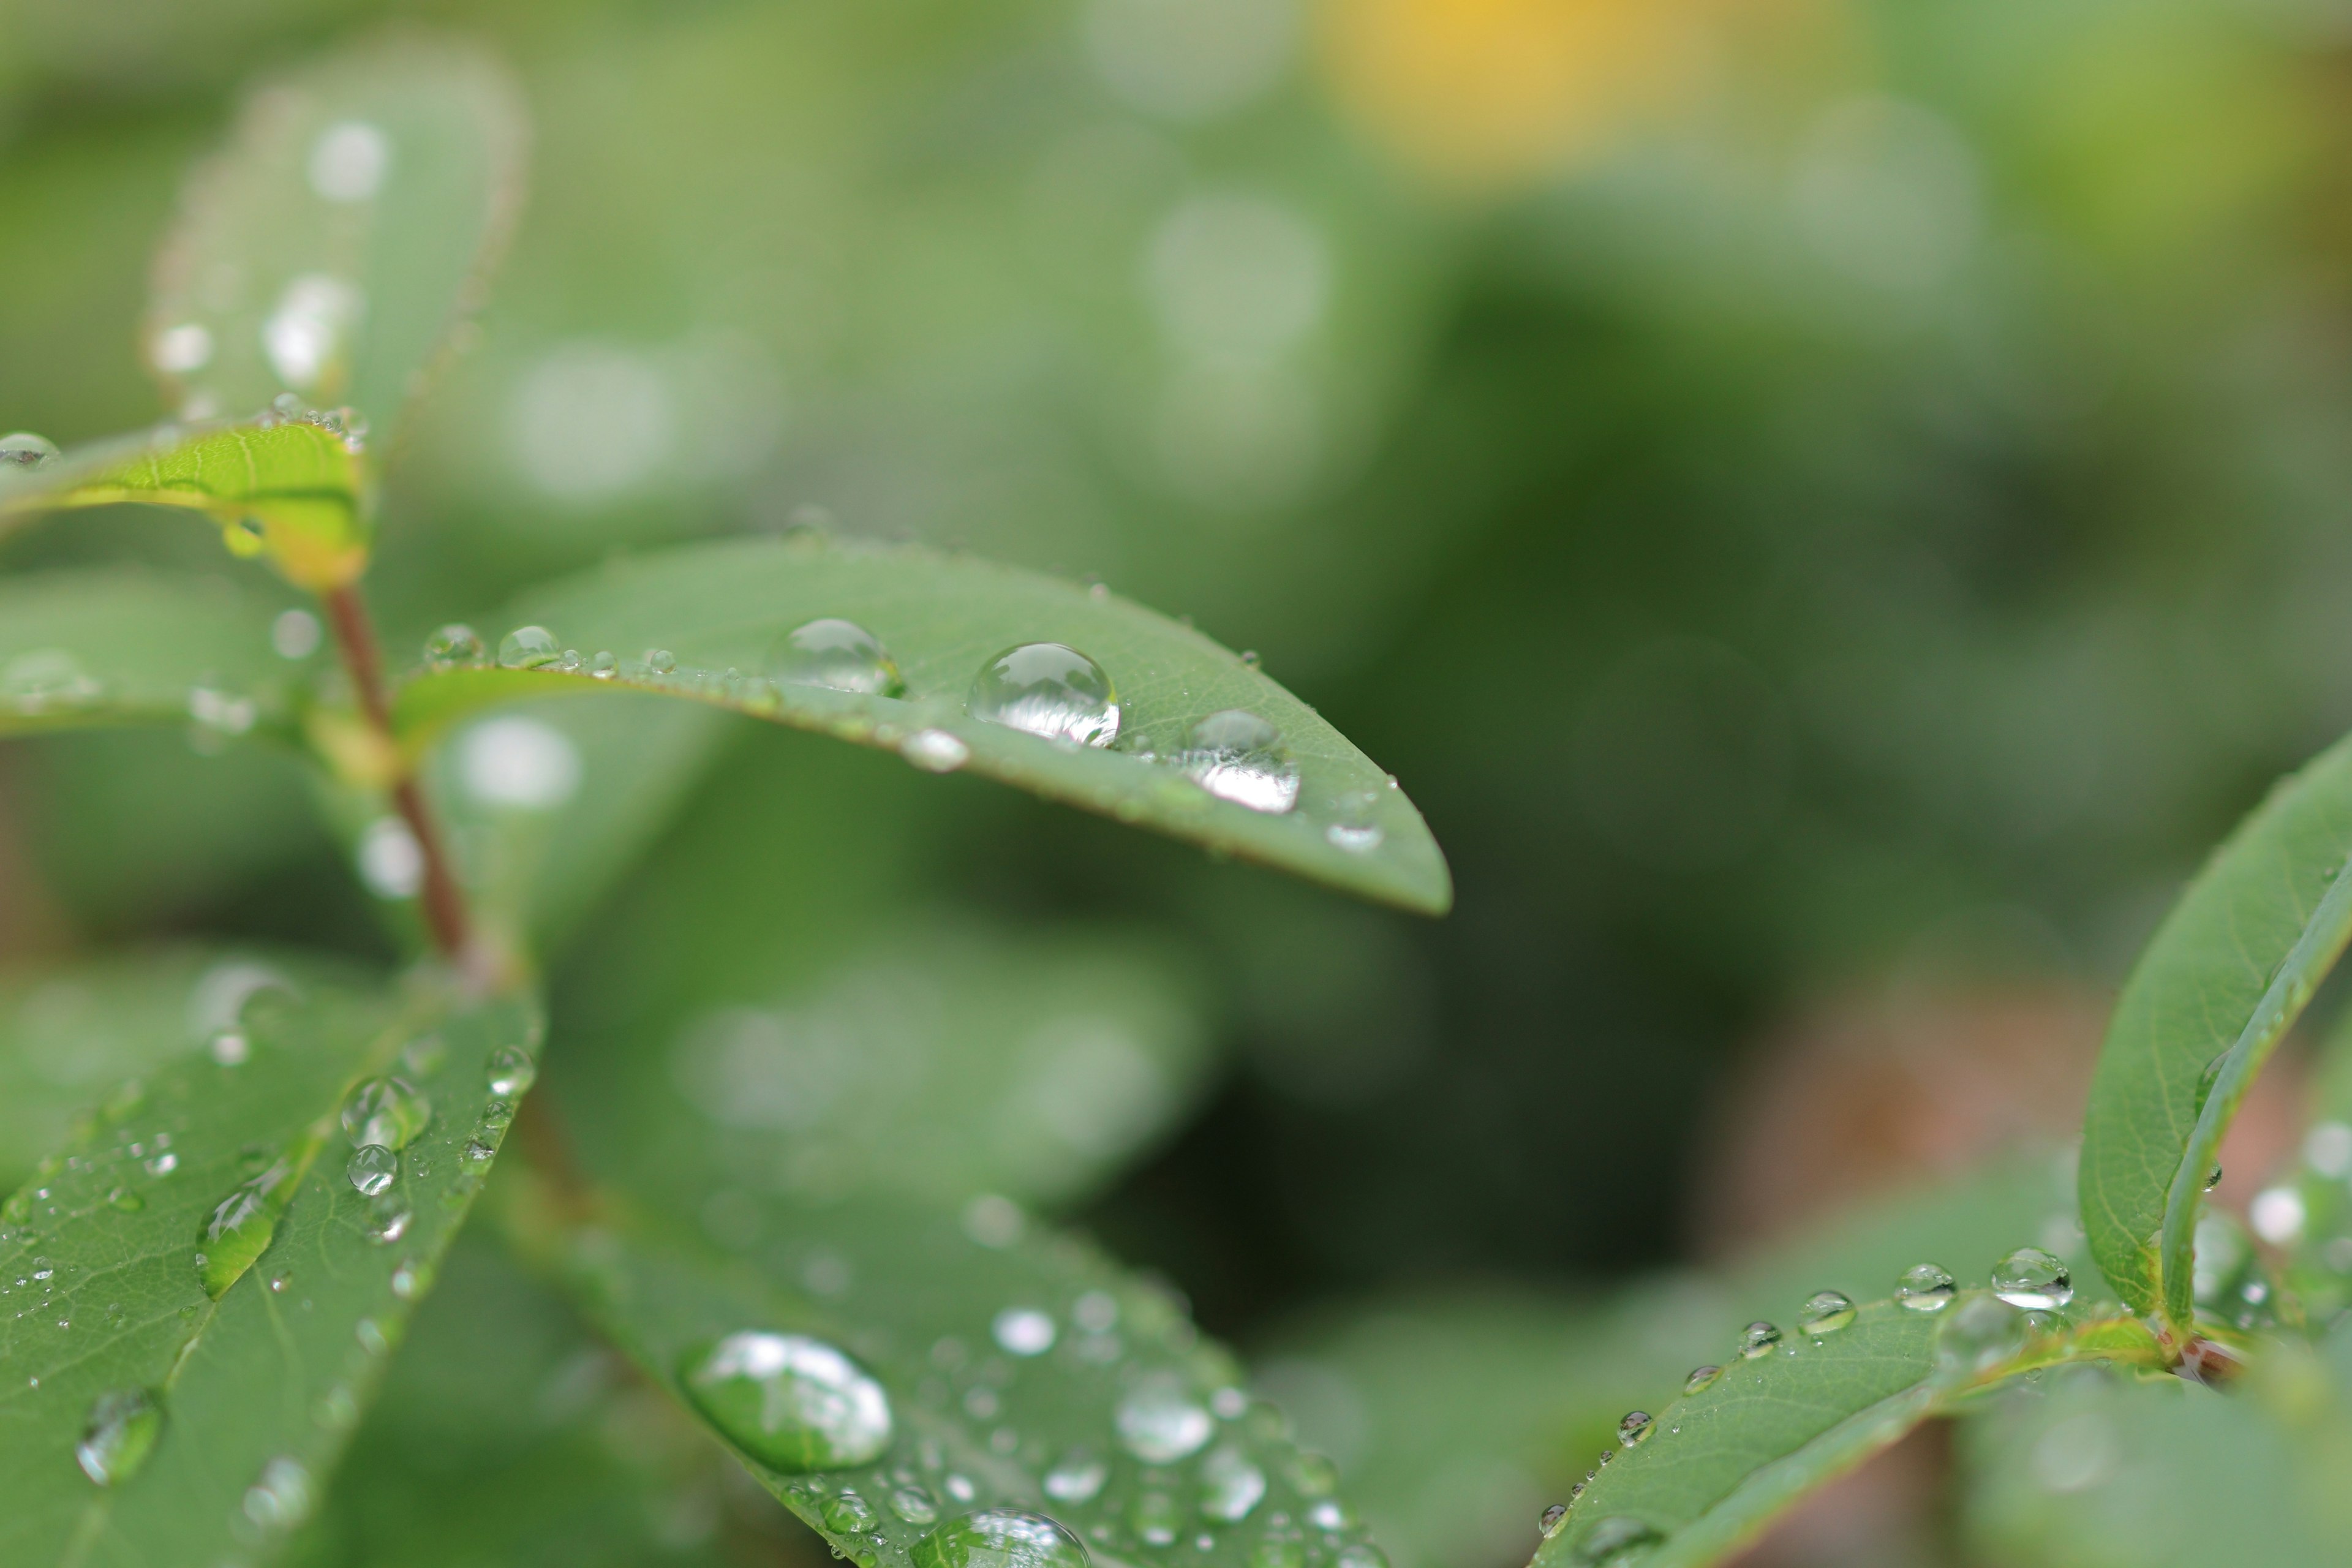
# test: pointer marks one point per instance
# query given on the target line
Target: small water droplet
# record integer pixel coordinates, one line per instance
(1048, 689)
(163, 1164)
(1925, 1287)
(1354, 823)
(1076, 1479)
(511, 1071)
(240, 1226)
(1238, 756)
(387, 1219)
(1985, 1331)
(2213, 1178)
(1230, 1485)
(999, 1538)
(1616, 1536)
(386, 1110)
(1553, 1518)
(1701, 1379)
(529, 647)
(407, 1279)
(1155, 1517)
(1330, 1514)
(281, 1499)
(126, 1200)
(1758, 1340)
(914, 1505)
(1633, 1428)
(846, 1513)
(26, 450)
(1160, 1423)
(372, 1168)
(838, 655)
(660, 660)
(792, 1402)
(121, 1432)
(2207, 1079)
(935, 750)
(1023, 1331)
(1824, 1312)
(455, 647)
(2034, 1279)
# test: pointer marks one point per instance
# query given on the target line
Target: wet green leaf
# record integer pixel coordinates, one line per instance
(292, 489)
(2218, 985)
(890, 1372)
(333, 248)
(715, 608)
(1790, 1411)
(248, 1387)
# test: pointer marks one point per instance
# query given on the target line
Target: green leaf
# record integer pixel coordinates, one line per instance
(240, 1374)
(347, 230)
(1706, 1474)
(726, 607)
(2223, 979)
(290, 488)
(989, 1367)
(114, 647)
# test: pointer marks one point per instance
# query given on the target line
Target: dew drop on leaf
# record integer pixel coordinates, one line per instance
(386, 1110)
(1230, 1485)
(1354, 825)
(838, 655)
(1078, 1477)
(1160, 1423)
(1155, 1517)
(26, 450)
(1635, 1428)
(126, 1200)
(2034, 1279)
(1238, 756)
(121, 1432)
(1553, 1517)
(2207, 1079)
(387, 1219)
(1701, 1379)
(1023, 1331)
(1824, 1312)
(849, 1514)
(1925, 1287)
(1048, 689)
(914, 1505)
(455, 647)
(999, 1538)
(511, 1071)
(792, 1402)
(1758, 1339)
(281, 1498)
(372, 1168)
(660, 660)
(935, 750)
(528, 648)
(240, 1226)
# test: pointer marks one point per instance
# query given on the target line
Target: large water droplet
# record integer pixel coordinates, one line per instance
(1633, 1428)
(26, 450)
(1046, 688)
(1824, 1312)
(1354, 825)
(453, 646)
(511, 1071)
(914, 1505)
(372, 1168)
(386, 1110)
(1238, 756)
(2034, 1279)
(529, 647)
(846, 1513)
(840, 656)
(1553, 1518)
(1230, 1485)
(121, 1431)
(1925, 1287)
(240, 1226)
(792, 1402)
(1758, 1339)
(1612, 1538)
(999, 1538)
(1701, 1379)
(1160, 1423)
(1982, 1334)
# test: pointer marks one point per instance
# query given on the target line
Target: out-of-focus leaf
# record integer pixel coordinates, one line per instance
(727, 607)
(980, 1367)
(1704, 1475)
(69, 1036)
(348, 229)
(2098, 1471)
(292, 489)
(208, 1301)
(2309, 1214)
(2217, 987)
(117, 646)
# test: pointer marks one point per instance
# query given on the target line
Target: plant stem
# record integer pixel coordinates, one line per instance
(444, 902)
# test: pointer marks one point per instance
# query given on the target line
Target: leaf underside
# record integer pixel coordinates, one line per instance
(725, 606)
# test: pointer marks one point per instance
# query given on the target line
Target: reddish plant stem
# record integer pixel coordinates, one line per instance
(444, 902)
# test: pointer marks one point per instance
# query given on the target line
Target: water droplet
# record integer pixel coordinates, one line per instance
(1282, 1546)
(163, 1164)
(1160, 1423)
(999, 1538)
(1633, 1429)
(660, 660)
(372, 1168)
(935, 750)
(1354, 825)
(1824, 1312)
(1023, 1331)
(2033, 1278)
(1330, 1514)
(1076, 1479)
(914, 1505)
(387, 1219)
(511, 1071)
(1155, 1517)
(793, 1403)
(1758, 1339)
(1553, 1518)
(126, 1200)
(1230, 1485)
(456, 646)
(1701, 1379)
(1238, 756)
(386, 1110)
(240, 1226)
(2213, 1178)
(529, 647)
(2207, 1079)
(305, 336)
(840, 656)
(1925, 1287)
(26, 450)
(47, 680)
(1047, 689)
(1616, 1536)
(281, 1499)
(407, 1279)
(846, 1513)
(1985, 1331)
(121, 1432)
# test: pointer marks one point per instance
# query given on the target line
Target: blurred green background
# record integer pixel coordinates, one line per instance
(1829, 509)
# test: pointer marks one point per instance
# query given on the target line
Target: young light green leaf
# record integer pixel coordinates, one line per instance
(927, 1392)
(110, 647)
(1785, 1411)
(2223, 979)
(344, 234)
(212, 1274)
(291, 489)
(1115, 710)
